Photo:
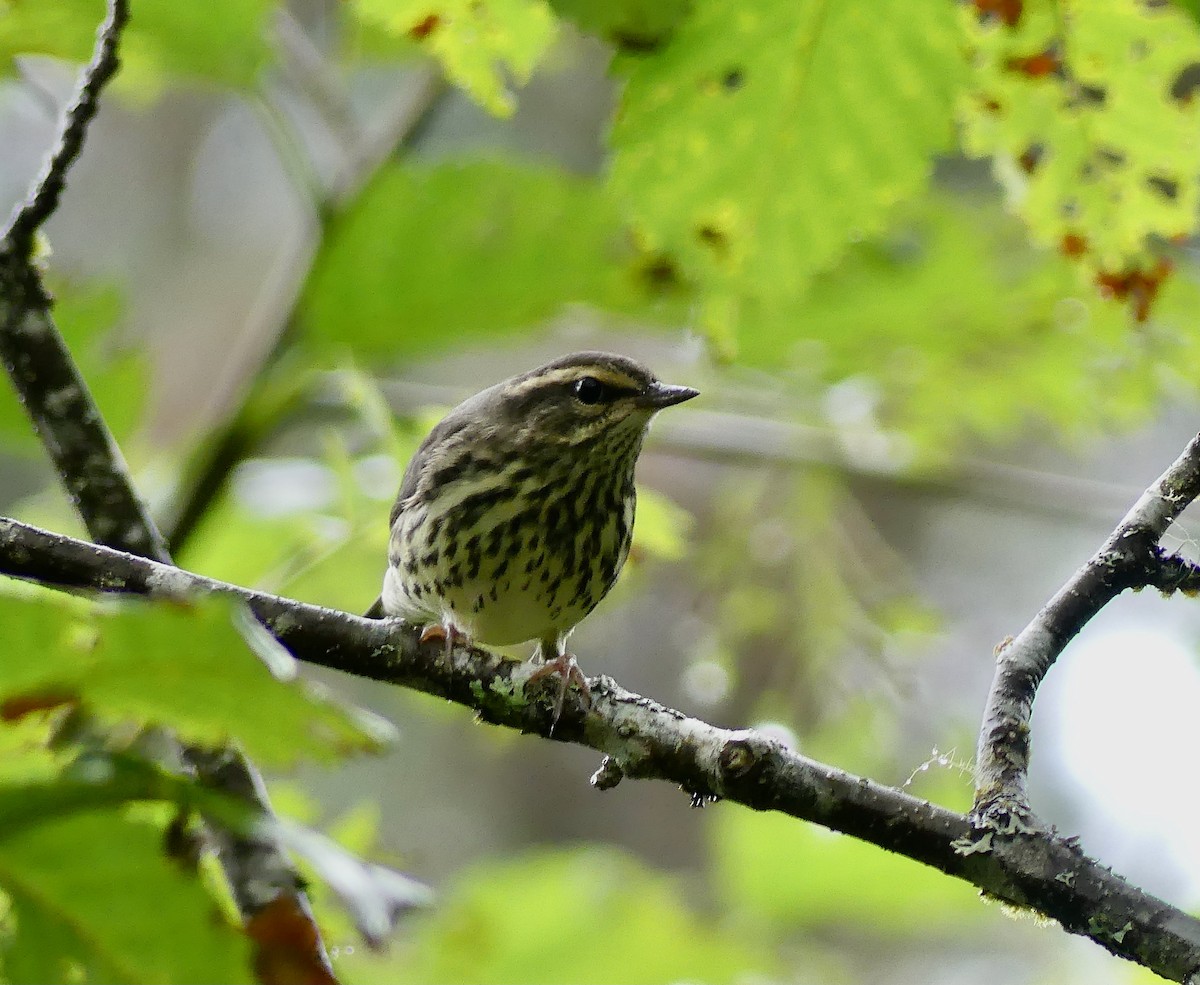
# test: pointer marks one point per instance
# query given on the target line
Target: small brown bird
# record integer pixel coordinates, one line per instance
(516, 512)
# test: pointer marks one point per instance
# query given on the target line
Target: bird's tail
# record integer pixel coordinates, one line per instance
(376, 610)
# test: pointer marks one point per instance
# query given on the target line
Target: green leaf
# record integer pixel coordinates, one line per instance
(431, 258)
(1192, 7)
(24, 748)
(220, 41)
(553, 916)
(766, 137)
(96, 900)
(66, 29)
(478, 42)
(1086, 110)
(182, 666)
(375, 896)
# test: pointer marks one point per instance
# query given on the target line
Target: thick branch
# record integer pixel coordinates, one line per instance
(643, 739)
(1130, 558)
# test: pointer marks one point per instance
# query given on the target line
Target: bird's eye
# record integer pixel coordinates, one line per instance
(589, 390)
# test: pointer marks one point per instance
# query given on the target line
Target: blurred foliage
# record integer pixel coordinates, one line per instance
(763, 859)
(426, 257)
(662, 528)
(221, 42)
(584, 915)
(480, 44)
(953, 323)
(794, 567)
(780, 175)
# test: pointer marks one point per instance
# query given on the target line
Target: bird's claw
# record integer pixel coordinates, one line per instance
(447, 632)
(565, 666)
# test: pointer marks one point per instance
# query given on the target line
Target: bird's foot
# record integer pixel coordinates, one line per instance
(568, 671)
(444, 631)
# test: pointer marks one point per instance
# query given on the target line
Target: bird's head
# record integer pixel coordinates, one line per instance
(584, 397)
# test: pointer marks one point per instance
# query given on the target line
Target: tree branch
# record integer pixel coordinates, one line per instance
(643, 739)
(31, 348)
(1130, 558)
(93, 470)
(46, 191)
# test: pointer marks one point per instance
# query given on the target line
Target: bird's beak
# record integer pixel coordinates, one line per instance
(659, 395)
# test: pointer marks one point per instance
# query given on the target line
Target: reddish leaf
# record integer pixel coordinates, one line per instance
(19, 705)
(425, 27)
(1036, 66)
(1073, 245)
(1007, 12)
(1138, 286)
(287, 949)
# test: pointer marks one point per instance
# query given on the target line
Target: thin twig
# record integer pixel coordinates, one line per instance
(643, 739)
(1130, 558)
(43, 199)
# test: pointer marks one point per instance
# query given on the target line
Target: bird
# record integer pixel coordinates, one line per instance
(515, 514)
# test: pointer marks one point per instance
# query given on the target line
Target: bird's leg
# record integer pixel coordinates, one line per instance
(447, 631)
(565, 666)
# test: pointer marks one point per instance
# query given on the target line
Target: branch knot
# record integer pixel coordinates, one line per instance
(740, 756)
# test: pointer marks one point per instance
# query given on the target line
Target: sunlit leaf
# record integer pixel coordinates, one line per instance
(480, 43)
(1090, 109)
(765, 137)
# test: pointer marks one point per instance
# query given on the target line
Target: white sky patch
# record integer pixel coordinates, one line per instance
(1126, 724)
